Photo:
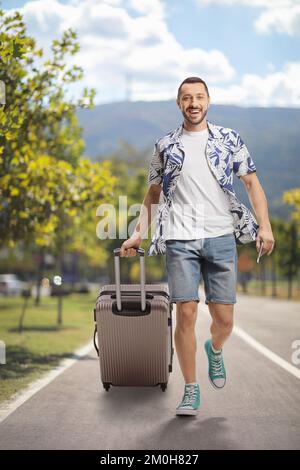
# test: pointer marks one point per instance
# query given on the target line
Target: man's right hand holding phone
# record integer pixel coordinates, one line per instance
(264, 242)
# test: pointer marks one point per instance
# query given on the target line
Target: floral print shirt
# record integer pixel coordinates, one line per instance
(226, 155)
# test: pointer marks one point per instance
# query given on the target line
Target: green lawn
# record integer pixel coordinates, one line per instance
(254, 288)
(43, 344)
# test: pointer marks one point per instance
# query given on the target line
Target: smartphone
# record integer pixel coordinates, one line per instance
(260, 252)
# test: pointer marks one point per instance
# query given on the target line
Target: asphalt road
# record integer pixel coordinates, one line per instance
(258, 409)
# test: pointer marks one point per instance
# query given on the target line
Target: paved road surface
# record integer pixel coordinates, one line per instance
(258, 409)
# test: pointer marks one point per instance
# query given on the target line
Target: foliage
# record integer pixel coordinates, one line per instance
(48, 191)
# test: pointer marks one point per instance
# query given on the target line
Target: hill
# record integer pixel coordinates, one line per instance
(272, 136)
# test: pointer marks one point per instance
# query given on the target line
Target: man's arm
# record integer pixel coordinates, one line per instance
(259, 203)
(129, 246)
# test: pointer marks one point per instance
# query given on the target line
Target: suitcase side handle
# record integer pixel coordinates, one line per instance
(95, 344)
(141, 252)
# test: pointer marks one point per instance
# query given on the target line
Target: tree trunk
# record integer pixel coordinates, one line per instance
(290, 285)
(59, 308)
(40, 275)
(262, 279)
(274, 275)
(61, 287)
(24, 308)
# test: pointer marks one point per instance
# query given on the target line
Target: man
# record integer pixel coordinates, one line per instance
(201, 241)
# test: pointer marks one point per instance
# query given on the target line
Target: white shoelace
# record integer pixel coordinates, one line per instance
(217, 365)
(190, 394)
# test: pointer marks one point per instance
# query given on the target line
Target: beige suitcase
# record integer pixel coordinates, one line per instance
(133, 326)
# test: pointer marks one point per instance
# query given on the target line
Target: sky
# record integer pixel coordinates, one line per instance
(247, 51)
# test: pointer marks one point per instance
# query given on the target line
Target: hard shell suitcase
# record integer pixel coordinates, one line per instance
(134, 331)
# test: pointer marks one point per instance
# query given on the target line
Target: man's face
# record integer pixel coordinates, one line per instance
(193, 102)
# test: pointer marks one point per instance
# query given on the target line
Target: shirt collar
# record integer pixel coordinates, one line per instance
(175, 137)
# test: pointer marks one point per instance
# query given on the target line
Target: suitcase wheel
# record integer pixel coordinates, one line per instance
(106, 385)
(163, 387)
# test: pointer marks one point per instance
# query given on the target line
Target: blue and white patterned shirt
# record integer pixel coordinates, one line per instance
(226, 155)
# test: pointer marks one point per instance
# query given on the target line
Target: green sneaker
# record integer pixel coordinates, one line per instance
(190, 401)
(216, 368)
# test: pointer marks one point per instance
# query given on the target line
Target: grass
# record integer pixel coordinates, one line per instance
(254, 288)
(42, 344)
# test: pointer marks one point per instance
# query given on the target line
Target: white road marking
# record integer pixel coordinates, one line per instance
(263, 349)
(9, 406)
(266, 352)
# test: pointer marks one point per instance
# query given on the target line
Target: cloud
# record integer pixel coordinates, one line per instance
(281, 16)
(126, 43)
(125, 40)
(282, 20)
(281, 88)
(148, 7)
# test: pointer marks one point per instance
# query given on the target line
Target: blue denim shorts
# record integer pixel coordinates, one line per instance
(213, 259)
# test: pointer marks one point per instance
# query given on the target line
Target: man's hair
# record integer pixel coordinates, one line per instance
(192, 80)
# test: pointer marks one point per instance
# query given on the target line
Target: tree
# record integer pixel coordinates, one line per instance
(47, 188)
(37, 123)
(131, 182)
(292, 197)
(287, 250)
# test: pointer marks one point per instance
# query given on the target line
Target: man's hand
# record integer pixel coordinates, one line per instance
(128, 248)
(265, 235)
(259, 203)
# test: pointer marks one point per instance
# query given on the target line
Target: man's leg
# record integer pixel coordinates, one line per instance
(185, 338)
(183, 268)
(221, 327)
(222, 323)
(219, 271)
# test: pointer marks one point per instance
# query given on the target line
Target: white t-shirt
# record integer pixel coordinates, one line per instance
(200, 208)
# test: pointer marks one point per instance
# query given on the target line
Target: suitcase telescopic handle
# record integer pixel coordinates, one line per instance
(141, 252)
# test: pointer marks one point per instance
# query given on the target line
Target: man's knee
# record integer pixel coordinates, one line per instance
(186, 314)
(222, 315)
(225, 324)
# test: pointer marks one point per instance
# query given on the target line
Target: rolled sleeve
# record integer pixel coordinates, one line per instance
(155, 174)
(243, 163)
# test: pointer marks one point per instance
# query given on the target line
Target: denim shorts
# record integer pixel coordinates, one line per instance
(213, 259)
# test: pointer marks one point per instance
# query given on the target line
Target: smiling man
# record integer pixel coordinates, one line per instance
(198, 226)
